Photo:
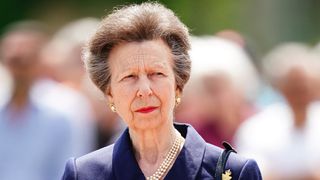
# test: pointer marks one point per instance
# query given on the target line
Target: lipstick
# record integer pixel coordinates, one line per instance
(146, 109)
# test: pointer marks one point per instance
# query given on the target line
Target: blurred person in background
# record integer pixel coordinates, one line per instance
(221, 89)
(266, 94)
(5, 84)
(317, 85)
(233, 36)
(35, 140)
(108, 124)
(62, 81)
(283, 137)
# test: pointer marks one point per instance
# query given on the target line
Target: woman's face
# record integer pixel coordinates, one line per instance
(143, 87)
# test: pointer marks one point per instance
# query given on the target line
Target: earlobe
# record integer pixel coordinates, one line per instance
(178, 92)
(110, 99)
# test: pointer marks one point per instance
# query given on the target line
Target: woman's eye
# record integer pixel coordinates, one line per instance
(157, 74)
(131, 76)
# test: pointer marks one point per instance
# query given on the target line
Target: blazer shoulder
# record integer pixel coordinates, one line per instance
(250, 170)
(212, 153)
(100, 157)
(239, 166)
(70, 172)
(95, 165)
(242, 168)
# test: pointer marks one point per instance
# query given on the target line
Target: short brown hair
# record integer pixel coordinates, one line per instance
(137, 23)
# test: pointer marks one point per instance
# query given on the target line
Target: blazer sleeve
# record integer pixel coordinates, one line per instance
(250, 171)
(70, 172)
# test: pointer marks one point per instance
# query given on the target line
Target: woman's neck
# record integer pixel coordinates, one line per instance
(152, 145)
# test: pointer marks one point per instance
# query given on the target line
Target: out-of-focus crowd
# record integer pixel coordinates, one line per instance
(268, 108)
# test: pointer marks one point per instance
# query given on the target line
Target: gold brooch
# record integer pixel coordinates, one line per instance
(227, 175)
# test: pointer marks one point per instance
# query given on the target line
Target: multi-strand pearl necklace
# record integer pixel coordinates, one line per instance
(168, 161)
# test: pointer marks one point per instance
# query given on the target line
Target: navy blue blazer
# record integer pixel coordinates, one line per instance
(197, 160)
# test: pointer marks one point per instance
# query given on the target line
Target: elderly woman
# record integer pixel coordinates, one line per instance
(139, 59)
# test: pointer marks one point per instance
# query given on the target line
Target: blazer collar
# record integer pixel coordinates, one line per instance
(124, 163)
(186, 165)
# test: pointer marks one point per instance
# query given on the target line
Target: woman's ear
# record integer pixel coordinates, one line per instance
(109, 95)
(178, 92)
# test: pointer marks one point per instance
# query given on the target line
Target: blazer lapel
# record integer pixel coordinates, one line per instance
(125, 165)
(188, 162)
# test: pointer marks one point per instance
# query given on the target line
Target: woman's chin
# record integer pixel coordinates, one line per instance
(145, 124)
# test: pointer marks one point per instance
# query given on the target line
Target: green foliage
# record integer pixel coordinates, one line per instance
(267, 22)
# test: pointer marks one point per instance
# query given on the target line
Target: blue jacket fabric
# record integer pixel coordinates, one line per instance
(197, 160)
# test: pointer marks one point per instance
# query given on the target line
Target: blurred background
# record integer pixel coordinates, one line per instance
(265, 22)
(255, 82)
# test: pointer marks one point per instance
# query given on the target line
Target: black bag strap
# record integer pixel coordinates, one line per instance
(221, 164)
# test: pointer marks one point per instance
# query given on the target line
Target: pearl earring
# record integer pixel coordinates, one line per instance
(178, 101)
(112, 107)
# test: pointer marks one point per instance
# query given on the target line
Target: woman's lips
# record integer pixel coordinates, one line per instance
(146, 109)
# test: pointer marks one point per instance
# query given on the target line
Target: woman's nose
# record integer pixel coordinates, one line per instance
(144, 87)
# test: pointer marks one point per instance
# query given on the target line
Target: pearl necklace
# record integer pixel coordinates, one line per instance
(168, 161)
